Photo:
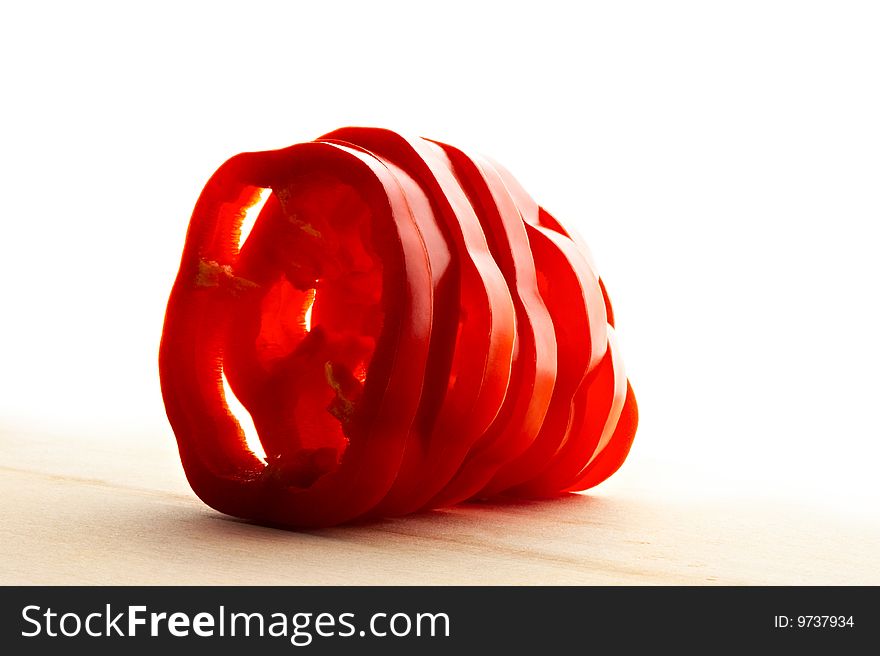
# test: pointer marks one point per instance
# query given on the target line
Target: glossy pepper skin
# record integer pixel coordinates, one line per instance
(406, 326)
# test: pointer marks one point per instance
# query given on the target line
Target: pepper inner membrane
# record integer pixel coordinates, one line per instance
(319, 318)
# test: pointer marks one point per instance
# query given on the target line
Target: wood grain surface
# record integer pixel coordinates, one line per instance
(104, 511)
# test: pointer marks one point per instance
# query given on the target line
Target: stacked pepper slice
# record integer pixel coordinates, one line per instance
(406, 327)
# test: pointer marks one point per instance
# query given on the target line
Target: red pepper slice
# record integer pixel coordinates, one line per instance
(219, 466)
(406, 326)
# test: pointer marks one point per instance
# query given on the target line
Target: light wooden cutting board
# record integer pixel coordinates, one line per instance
(97, 511)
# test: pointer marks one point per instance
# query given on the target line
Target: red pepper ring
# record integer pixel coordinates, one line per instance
(219, 467)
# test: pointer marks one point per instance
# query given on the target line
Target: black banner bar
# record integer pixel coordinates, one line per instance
(432, 620)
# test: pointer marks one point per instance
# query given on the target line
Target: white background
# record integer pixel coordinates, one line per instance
(722, 159)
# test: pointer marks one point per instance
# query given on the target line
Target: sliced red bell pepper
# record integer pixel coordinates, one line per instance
(406, 327)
